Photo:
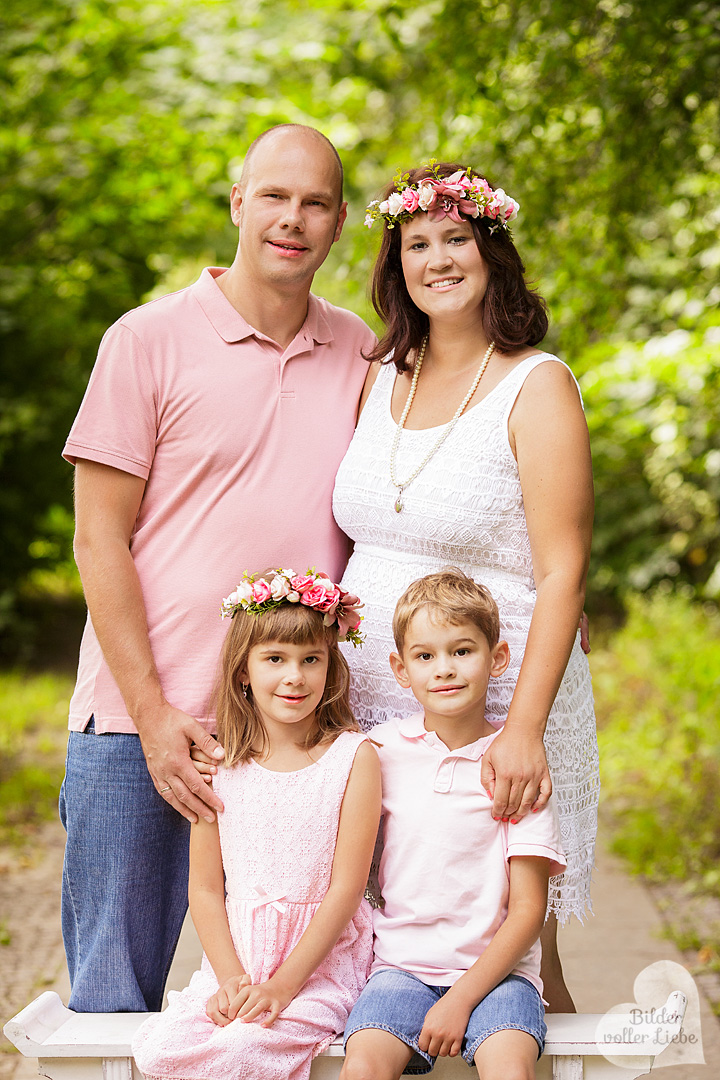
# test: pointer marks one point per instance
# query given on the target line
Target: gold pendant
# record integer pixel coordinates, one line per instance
(399, 503)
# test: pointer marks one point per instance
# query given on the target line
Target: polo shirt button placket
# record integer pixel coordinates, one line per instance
(444, 775)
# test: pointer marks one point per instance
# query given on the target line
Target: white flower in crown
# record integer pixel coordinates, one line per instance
(511, 208)
(383, 207)
(395, 204)
(426, 195)
(244, 592)
(279, 587)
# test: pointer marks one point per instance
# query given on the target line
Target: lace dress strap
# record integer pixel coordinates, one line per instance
(380, 396)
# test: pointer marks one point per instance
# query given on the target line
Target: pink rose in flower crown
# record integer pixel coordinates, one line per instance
(301, 583)
(313, 597)
(480, 185)
(330, 601)
(261, 591)
(411, 200)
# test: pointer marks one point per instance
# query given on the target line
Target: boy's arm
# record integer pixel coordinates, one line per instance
(446, 1022)
(357, 830)
(206, 893)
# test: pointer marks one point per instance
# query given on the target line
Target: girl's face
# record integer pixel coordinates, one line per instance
(445, 273)
(287, 681)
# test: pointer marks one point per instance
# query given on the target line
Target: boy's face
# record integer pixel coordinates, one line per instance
(448, 666)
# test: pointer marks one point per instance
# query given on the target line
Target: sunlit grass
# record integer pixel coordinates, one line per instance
(33, 734)
(657, 688)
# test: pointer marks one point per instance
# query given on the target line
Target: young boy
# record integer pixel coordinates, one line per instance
(457, 956)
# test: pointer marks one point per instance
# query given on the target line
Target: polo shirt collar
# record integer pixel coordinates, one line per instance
(230, 324)
(413, 727)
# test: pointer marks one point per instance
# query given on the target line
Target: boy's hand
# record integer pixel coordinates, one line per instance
(205, 765)
(444, 1028)
(218, 1007)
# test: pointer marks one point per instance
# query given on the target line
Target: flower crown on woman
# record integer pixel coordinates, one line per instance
(256, 595)
(462, 193)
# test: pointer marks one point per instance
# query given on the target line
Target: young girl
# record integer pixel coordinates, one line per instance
(276, 884)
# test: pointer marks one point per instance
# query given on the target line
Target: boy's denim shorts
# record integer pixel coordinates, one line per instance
(397, 1001)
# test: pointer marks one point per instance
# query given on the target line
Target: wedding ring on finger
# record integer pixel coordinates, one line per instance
(162, 790)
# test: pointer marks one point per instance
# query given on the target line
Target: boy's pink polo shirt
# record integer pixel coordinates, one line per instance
(444, 872)
(239, 441)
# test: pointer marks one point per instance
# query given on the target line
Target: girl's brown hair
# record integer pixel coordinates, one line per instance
(239, 725)
(514, 316)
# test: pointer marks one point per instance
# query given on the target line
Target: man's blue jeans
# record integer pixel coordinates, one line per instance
(125, 878)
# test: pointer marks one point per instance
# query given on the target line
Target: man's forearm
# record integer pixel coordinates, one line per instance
(115, 602)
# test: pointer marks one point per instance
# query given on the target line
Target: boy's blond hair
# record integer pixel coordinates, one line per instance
(455, 598)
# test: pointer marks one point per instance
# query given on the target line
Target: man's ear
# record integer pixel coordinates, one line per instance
(342, 214)
(236, 198)
(399, 671)
(500, 659)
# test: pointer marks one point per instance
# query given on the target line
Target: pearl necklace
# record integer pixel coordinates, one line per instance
(448, 427)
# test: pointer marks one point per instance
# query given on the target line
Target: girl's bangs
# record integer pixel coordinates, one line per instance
(292, 624)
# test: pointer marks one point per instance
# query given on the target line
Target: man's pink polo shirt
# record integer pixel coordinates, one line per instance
(445, 871)
(239, 441)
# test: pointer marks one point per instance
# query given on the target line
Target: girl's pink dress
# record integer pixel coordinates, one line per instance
(277, 836)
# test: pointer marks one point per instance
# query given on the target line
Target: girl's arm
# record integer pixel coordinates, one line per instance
(446, 1022)
(551, 442)
(206, 893)
(357, 830)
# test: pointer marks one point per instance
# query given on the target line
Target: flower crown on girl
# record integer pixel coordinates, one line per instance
(462, 193)
(257, 595)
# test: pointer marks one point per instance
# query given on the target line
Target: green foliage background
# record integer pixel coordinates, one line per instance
(124, 122)
(657, 685)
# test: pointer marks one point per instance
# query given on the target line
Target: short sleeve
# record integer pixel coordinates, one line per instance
(116, 424)
(539, 835)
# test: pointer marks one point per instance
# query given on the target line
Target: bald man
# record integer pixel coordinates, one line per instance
(206, 444)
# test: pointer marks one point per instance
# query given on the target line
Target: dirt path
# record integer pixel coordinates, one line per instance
(31, 953)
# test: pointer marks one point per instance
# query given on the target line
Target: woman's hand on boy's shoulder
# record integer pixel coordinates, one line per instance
(515, 774)
(444, 1028)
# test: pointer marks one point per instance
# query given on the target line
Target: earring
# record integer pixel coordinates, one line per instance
(245, 689)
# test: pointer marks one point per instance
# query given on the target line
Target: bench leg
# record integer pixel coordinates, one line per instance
(117, 1069)
(567, 1068)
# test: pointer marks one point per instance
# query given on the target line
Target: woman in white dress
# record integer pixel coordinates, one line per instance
(472, 450)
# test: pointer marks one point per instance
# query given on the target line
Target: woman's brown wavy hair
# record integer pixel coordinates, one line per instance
(240, 729)
(514, 316)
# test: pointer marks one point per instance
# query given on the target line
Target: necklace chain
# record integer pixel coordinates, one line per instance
(448, 427)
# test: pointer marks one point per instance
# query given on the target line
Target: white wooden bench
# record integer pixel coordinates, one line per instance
(96, 1046)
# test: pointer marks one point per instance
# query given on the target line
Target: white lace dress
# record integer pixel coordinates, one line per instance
(465, 509)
